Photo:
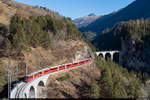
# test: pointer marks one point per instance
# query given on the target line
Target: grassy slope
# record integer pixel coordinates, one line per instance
(9, 8)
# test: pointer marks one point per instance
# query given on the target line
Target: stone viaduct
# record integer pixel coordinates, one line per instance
(110, 54)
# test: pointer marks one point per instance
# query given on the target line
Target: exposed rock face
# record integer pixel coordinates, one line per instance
(82, 54)
(133, 58)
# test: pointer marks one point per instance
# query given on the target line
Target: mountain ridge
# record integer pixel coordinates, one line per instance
(85, 20)
(135, 10)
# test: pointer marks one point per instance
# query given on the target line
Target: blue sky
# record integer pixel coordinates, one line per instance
(78, 8)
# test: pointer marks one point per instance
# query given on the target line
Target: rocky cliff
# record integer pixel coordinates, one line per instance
(135, 46)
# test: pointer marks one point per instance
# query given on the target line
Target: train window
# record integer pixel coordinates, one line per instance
(75, 63)
(40, 72)
(45, 71)
(53, 69)
(61, 67)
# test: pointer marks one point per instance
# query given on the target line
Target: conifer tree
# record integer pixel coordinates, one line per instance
(94, 89)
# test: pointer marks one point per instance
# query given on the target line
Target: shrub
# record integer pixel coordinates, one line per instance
(94, 89)
(133, 89)
(63, 78)
(3, 29)
(3, 76)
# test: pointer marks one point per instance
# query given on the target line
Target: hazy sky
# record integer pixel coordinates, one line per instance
(78, 8)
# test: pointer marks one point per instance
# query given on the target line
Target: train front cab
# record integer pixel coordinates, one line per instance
(28, 78)
(87, 60)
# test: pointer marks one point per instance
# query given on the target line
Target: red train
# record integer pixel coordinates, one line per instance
(45, 71)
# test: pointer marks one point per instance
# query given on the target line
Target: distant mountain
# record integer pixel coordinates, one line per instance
(136, 10)
(92, 14)
(86, 20)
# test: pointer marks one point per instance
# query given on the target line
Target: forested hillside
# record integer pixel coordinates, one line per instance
(36, 31)
(135, 40)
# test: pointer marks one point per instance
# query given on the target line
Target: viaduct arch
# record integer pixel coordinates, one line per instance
(114, 55)
(41, 89)
(31, 92)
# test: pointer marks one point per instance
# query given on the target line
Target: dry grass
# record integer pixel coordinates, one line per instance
(77, 86)
(9, 8)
